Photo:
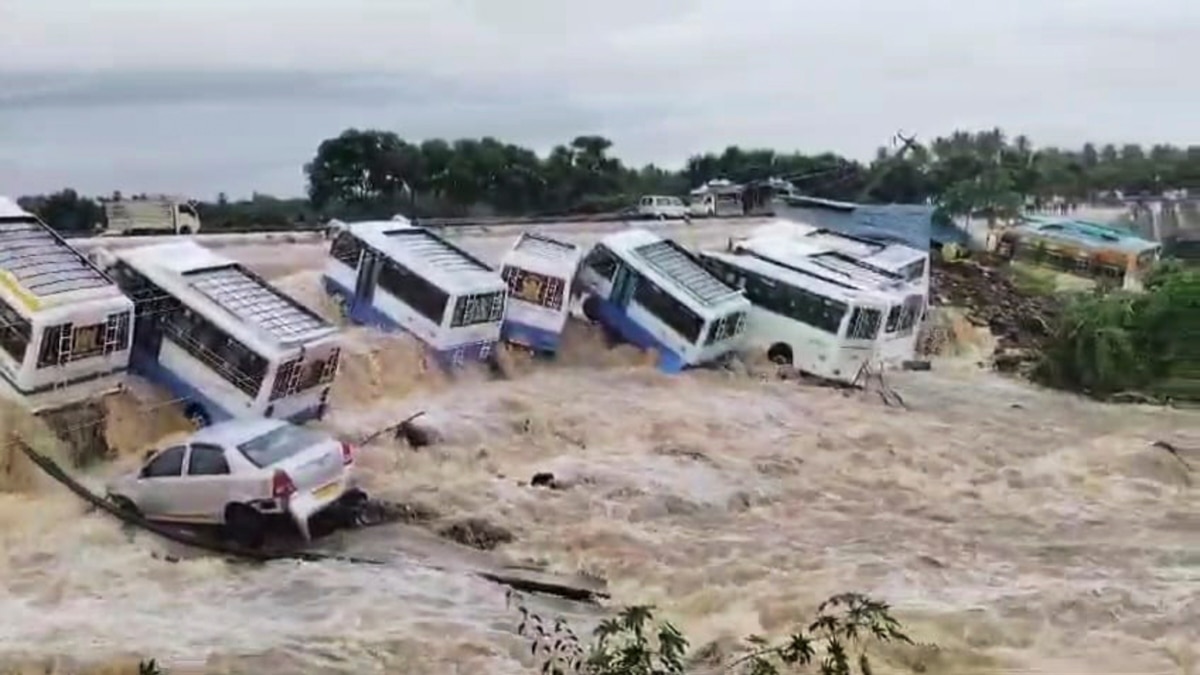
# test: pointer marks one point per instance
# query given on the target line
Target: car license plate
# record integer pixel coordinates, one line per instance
(326, 491)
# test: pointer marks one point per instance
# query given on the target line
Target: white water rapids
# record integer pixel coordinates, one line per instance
(1019, 530)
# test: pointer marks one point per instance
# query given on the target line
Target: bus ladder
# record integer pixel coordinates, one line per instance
(66, 341)
(293, 377)
(110, 333)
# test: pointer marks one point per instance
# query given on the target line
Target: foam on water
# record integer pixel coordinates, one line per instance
(1021, 530)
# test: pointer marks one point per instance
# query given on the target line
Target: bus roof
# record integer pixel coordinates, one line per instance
(427, 254)
(670, 262)
(889, 256)
(785, 272)
(41, 262)
(228, 292)
(545, 254)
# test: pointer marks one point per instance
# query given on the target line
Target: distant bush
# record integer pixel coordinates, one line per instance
(1130, 342)
(635, 643)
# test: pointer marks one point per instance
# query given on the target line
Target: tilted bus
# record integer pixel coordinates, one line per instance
(813, 321)
(899, 271)
(539, 271)
(64, 324)
(225, 342)
(655, 294)
(396, 276)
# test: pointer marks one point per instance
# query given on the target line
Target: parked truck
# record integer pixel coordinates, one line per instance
(150, 215)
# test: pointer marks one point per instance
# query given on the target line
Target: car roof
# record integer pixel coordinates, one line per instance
(234, 432)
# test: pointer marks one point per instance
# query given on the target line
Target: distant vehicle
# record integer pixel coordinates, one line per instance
(900, 272)
(65, 326)
(240, 475)
(396, 276)
(151, 215)
(539, 272)
(1081, 248)
(662, 207)
(653, 293)
(714, 204)
(814, 321)
(223, 340)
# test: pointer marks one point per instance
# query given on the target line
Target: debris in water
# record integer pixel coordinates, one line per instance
(545, 479)
(477, 533)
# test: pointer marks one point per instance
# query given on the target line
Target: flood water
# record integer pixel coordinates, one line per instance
(1019, 530)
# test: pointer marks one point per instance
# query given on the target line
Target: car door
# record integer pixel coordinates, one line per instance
(159, 484)
(208, 486)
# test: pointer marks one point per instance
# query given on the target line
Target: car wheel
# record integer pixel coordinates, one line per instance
(197, 415)
(245, 526)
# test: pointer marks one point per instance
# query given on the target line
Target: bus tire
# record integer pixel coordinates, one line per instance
(780, 354)
(245, 526)
(185, 230)
(591, 308)
(197, 415)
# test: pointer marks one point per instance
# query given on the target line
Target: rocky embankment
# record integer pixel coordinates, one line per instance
(986, 293)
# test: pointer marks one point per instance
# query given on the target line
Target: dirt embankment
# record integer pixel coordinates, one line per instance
(988, 297)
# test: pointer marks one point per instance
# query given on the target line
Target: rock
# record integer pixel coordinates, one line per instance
(417, 435)
(544, 479)
(477, 533)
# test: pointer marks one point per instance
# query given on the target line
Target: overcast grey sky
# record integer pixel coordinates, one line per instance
(663, 79)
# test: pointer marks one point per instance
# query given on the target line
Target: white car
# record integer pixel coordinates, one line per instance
(662, 207)
(240, 474)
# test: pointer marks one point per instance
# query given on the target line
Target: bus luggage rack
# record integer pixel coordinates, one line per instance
(428, 247)
(255, 302)
(541, 245)
(42, 262)
(666, 258)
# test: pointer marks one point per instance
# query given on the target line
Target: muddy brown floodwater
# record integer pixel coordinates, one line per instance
(1020, 530)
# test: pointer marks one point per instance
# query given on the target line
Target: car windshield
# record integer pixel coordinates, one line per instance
(279, 444)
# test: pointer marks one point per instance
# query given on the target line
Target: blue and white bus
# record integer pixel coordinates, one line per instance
(221, 339)
(64, 324)
(396, 276)
(655, 294)
(539, 272)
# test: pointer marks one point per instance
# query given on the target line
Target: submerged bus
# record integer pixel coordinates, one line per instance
(396, 276)
(64, 324)
(898, 271)
(539, 272)
(655, 294)
(817, 323)
(221, 339)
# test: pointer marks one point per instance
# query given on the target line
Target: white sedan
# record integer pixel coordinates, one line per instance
(241, 473)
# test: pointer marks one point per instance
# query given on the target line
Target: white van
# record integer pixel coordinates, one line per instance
(662, 207)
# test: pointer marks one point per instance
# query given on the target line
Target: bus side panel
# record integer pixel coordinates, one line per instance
(192, 382)
(629, 325)
(813, 351)
(533, 326)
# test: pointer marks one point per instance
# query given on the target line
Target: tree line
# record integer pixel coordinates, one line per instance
(372, 173)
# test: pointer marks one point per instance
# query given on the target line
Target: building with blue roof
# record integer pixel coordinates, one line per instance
(909, 224)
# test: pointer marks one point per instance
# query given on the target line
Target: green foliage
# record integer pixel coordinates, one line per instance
(635, 643)
(375, 173)
(1130, 342)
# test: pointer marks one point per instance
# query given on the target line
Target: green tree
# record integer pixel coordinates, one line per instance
(635, 643)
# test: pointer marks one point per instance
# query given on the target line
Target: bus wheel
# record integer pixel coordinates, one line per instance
(591, 308)
(197, 415)
(245, 526)
(780, 354)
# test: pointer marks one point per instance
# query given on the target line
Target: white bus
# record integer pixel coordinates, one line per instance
(64, 324)
(221, 339)
(819, 324)
(539, 272)
(653, 293)
(900, 271)
(396, 276)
